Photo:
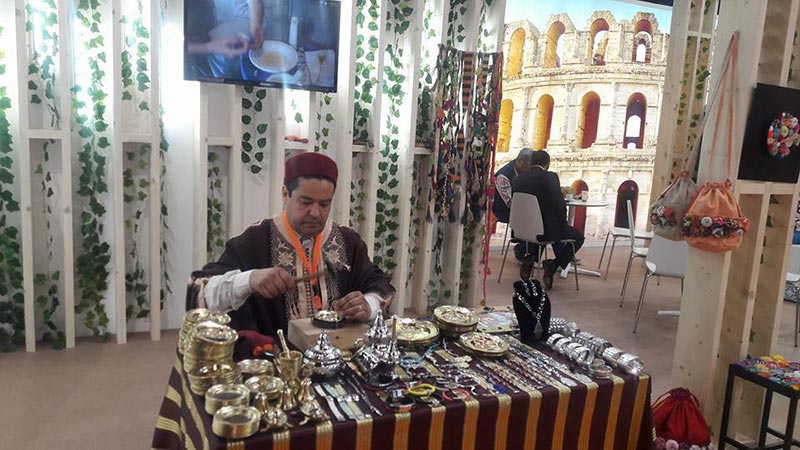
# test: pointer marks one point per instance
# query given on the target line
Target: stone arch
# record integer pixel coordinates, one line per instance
(504, 129)
(516, 53)
(544, 121)
(635, 117)
(650, 18)
(555, 38)
(642, 41)
(598, 42)
(628, 190)
(590, 115)
(579, 186)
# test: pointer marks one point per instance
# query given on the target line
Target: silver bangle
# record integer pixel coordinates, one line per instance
(630, 364)
(561, 344)
(583, 356)
(569, 350)
(551, 341)
(611, 355)
(571, 329)
(602, 371)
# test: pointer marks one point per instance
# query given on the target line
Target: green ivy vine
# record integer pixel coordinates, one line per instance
(484, 44)
(166, 288)
(456, 31)
(298, 117)
(366, 71)
(322, 136)
(44, 47)
(135, 194)
(254, 132)
(46, 283)
(215, 218)
(357, 192)
(12, 299)
(424, 130)
(136, 40)
(417, 213)
(92, 263)
(387, 220)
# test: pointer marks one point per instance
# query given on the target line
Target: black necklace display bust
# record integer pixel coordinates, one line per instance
(532, 308)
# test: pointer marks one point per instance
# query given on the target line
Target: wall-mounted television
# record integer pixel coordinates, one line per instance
(290, 44)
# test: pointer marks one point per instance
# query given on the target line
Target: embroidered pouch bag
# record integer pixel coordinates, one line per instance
(677, 417)
(668, 210)
(714, 221)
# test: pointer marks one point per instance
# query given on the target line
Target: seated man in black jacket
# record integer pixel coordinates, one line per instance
(546, 187)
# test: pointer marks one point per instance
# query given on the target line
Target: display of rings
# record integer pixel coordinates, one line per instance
(236, 422)
(221, 395)
(611, 355)
(551, 341)
(600, 371)
(630, 364)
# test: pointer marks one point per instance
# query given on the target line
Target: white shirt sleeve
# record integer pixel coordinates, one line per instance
(227, 292)
(374, 301)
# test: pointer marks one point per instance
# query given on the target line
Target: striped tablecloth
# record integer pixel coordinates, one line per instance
(610, 414)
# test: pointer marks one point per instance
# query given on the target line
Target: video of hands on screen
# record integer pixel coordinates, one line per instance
(277, 43)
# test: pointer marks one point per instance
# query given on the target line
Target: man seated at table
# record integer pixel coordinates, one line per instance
(501, 206)
(254, 279)
(545, 185)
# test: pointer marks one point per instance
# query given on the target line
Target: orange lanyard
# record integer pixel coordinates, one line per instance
(315, 256)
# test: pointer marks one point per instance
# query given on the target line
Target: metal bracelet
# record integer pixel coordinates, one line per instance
(331, 403)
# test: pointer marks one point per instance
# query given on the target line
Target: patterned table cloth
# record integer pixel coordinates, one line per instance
(610, 414)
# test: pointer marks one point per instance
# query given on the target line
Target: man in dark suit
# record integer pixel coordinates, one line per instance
(546, 186)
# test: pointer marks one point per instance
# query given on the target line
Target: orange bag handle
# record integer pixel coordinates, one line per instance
(730, 79)
(689, 163)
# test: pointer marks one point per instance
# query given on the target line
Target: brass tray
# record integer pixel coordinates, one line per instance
(483, 344)
(236, 422)
(269, 385)
(328, 319)
(455, 316)
(221, 395)
(415, 331)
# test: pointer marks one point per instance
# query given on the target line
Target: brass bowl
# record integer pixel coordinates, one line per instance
(483, 344)
(252, 367)
(266, 384)
(221, 395)
(203, 377)
(455, 316)
(415, 331)
(236, 422)
(328, 319)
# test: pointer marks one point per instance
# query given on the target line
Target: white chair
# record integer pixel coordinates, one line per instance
(665, 258)
(636, 252)
(527, 225)
(623, 233)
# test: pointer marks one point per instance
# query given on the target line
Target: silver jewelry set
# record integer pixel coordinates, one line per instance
(531, 294)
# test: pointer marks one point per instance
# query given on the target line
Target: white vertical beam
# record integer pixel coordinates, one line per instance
(235, 165)
(372, 157)
(65, 107)
(343, 109)
(411, 40)
(18, 94)
(116, 157)
(421, 288)
(155, 174)
(201, 177)
(277, 155)
(311, 119)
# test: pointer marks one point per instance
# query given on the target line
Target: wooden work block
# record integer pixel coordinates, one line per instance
(303, 334)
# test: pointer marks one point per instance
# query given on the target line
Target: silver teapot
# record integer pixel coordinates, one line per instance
(325, 359)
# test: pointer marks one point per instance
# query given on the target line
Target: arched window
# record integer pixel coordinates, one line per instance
(642, 41)
(515, 53)
(579, 221)
(598, 41)
(504, 131)
(552, 53)
(590, 113)
(635, 116)
(628, 190)
(544, 121)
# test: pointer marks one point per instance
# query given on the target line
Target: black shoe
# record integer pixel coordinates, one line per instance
(549, 268)
(525, 270)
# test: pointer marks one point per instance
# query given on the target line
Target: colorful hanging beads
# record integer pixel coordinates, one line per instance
(776, 368)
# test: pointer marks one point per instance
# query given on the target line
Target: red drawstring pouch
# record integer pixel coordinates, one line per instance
(677, 417)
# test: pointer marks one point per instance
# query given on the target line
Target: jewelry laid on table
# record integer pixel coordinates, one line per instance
(360, 391)
(331, 403)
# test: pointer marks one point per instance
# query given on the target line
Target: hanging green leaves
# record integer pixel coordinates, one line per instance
(255, 139)
(456, 30)
(134, 54)
(324, 124)
(429, 51)
(12, 300)
(215, 219)
(357, 192)
(135, 187)
(89, 104)
(46, 283)
(387, 220)
(366, 67)
(164, 251)
(42, 26)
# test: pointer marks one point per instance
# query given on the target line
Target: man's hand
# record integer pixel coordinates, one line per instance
(353, 306)
(228, 47)
(271, 283)
(256, 35)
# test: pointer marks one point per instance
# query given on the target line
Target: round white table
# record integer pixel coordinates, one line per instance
(571, 206)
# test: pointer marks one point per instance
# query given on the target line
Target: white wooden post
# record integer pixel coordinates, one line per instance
(407, 139)
(116, 158)
(201, 178)
(65, 107)
(372, 157)
(18, 93)
(277, 155)
(343, 106)
(155, 173)
(235, 165)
